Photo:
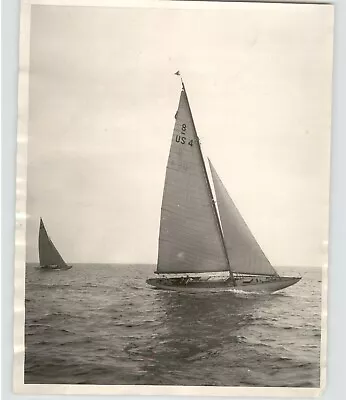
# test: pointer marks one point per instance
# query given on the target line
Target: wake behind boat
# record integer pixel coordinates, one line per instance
(199, 236)
(50, 258)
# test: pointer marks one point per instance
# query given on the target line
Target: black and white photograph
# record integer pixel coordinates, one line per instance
(173, 177)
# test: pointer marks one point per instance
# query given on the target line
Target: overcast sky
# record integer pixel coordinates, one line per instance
(103, 95)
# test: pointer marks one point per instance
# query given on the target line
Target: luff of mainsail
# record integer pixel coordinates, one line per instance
(244, 252)
(48, 253)
(190, 239)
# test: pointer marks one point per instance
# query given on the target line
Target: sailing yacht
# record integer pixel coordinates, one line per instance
(50, 258)
(204, 243)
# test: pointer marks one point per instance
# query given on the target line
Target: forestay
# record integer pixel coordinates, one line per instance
(190, 235)
(48, 254)
(244, 253)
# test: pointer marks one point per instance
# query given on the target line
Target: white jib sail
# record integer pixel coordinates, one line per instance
(244, 253)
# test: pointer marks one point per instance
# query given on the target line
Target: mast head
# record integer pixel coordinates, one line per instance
(181, 79)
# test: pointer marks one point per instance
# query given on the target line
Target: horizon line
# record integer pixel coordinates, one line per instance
(147, 263)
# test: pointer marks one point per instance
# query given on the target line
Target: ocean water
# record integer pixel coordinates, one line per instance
(101, 324)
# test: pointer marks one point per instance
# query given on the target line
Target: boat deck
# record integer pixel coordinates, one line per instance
(243, 283)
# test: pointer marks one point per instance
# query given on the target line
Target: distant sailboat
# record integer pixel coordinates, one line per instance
(50, 259)
(199, 237)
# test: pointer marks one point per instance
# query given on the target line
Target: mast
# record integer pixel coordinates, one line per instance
(213, 205)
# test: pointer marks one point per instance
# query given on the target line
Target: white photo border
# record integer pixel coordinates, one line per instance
(19, 386)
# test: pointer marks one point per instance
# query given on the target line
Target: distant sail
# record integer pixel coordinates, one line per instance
(48, 254)
(190, 233)
(245, 254)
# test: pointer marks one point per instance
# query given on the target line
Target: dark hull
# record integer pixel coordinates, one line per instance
(54, 268)
(251, 284)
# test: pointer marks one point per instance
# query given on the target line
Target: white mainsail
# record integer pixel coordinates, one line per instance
(190, 238)
(245, 254)
(48, 253)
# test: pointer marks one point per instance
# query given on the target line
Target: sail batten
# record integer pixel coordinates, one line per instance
(245, 254)
(48, 254)
(190, 240)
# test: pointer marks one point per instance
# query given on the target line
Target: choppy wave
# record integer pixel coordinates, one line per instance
(104, 325)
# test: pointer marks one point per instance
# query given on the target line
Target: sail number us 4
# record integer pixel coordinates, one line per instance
(181, 138)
